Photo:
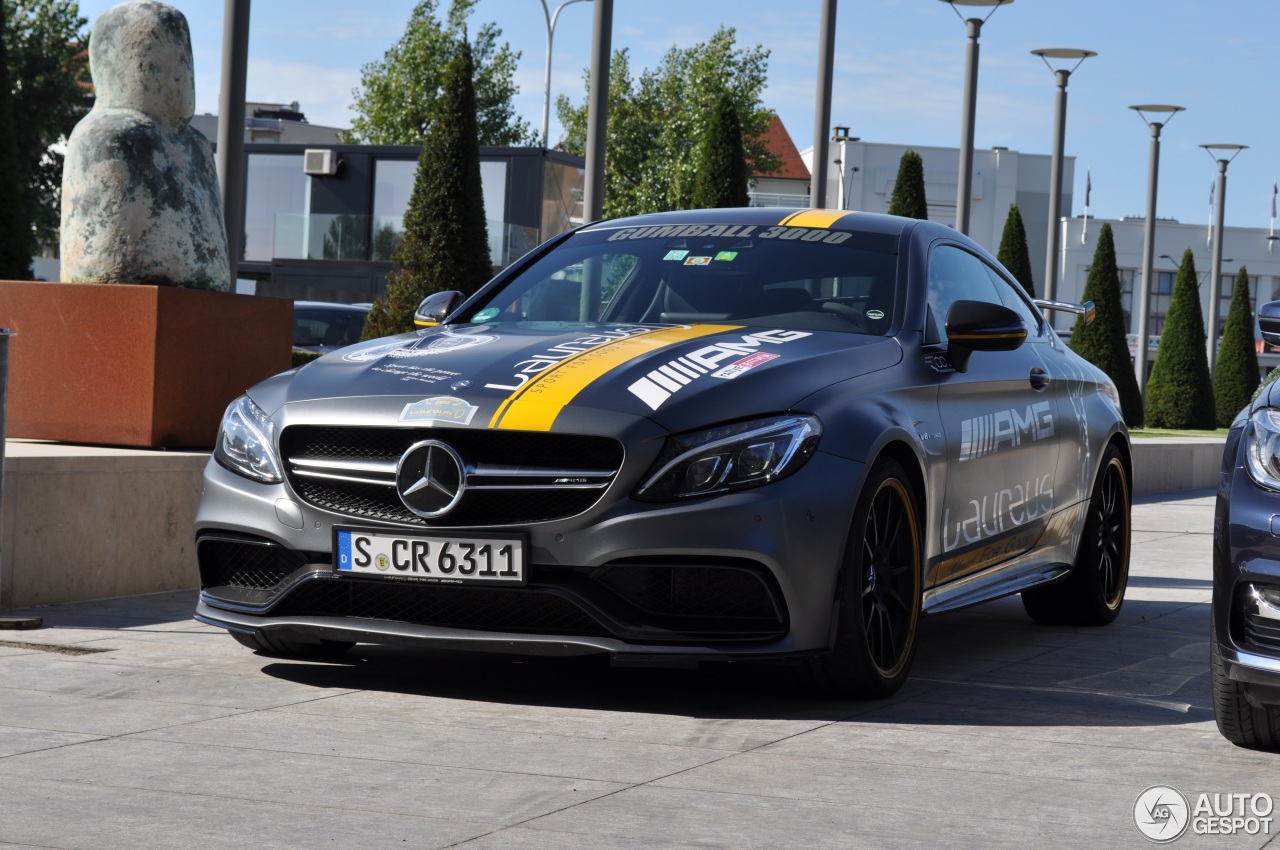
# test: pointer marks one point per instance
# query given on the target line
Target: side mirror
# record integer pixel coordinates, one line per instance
(981, 326)
(1269, 322)
(435, 307)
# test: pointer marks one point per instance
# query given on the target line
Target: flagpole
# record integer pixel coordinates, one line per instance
(1271, 236)
(1208, 236)
(1088, 189)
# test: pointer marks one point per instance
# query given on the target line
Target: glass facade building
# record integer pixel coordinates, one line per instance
(331, 237)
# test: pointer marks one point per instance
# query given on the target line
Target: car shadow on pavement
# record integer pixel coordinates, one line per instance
(987, 666)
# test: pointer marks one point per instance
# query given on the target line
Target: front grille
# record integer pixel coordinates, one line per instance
(249, 569)
(1262, 619)
(511, 477)
(524, 610)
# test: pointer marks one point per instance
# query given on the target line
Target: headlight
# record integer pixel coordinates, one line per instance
(246, 442)
(731, 457)
(1262, 447)
(1110, 391)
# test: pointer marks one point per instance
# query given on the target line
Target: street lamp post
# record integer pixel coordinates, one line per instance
(974, 28)
(1166, 113)
(1055, 169)
(551, 32)
(1215, 268)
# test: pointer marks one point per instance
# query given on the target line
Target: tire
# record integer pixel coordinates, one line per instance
(288, 647)
(878, 594)
(1092, 593)
(1241, 722)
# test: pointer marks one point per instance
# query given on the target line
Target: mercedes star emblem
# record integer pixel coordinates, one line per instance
(429, 478)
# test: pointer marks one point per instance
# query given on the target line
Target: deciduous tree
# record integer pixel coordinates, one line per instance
(46, 65)
(445, 244)
(1180, 393)
(15, 225)
(1102, 342)
(657, 122)
(400, 97)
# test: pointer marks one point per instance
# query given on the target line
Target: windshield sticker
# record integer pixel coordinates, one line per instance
(485, 315)
(737, 367)
(698, 261)
(875, 314)
(671, 231)
(984, 435)
(536, 404)
(660, 384)
(455, 411)
(676, 255)
(726, 256)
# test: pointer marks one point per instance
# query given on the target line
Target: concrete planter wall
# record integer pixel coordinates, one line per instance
(140, 366)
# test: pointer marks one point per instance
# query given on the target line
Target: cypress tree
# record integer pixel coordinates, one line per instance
(1014, 254)
(722, 162)
(1102, 342)
(1180, 393)
(908, 190)
(445, 244)
(16, 241)
(1236, 376)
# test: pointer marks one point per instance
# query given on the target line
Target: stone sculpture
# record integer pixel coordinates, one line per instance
(140, 199)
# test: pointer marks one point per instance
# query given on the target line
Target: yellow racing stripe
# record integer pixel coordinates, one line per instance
(535, 406)
(814, 218)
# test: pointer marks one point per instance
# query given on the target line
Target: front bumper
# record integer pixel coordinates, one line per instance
(746, 574)
(1246, 578)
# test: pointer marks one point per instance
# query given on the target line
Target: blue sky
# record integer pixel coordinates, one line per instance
(899, 75)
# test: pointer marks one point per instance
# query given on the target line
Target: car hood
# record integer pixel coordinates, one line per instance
(544, 376)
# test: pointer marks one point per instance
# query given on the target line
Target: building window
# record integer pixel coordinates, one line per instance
(392, 186)
(275, 206)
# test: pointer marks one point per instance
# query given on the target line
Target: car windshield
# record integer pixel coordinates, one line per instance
(335, 326)
(793, 278)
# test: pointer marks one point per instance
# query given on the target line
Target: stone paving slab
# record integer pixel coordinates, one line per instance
(124, 723)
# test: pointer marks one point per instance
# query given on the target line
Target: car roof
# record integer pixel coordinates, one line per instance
(330, 305)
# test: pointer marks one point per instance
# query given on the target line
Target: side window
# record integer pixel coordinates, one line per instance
(1013, 297)
(955, 275)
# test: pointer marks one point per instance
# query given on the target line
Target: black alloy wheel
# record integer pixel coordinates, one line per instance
(1092, 593)
(878, 594)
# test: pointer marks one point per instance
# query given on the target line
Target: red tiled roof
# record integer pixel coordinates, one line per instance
(778, 140)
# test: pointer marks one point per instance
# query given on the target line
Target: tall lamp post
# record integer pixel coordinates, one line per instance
(1165, 113)
(551, 33)
(974, 27)
(1218, 152)
(1055, 169)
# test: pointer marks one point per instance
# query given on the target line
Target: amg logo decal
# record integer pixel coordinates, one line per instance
(660, 384)
(984, 435)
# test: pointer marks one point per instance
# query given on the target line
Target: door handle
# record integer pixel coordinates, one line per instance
(1039, 379)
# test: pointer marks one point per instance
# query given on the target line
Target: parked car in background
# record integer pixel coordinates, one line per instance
(1245, 632)
(323, 326)
(718, 434)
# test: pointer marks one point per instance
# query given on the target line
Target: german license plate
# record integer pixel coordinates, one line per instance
(441, 559)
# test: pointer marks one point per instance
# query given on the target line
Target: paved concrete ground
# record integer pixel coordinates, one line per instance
(126, 724)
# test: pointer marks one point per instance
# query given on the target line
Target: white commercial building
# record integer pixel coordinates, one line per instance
(861, 177)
